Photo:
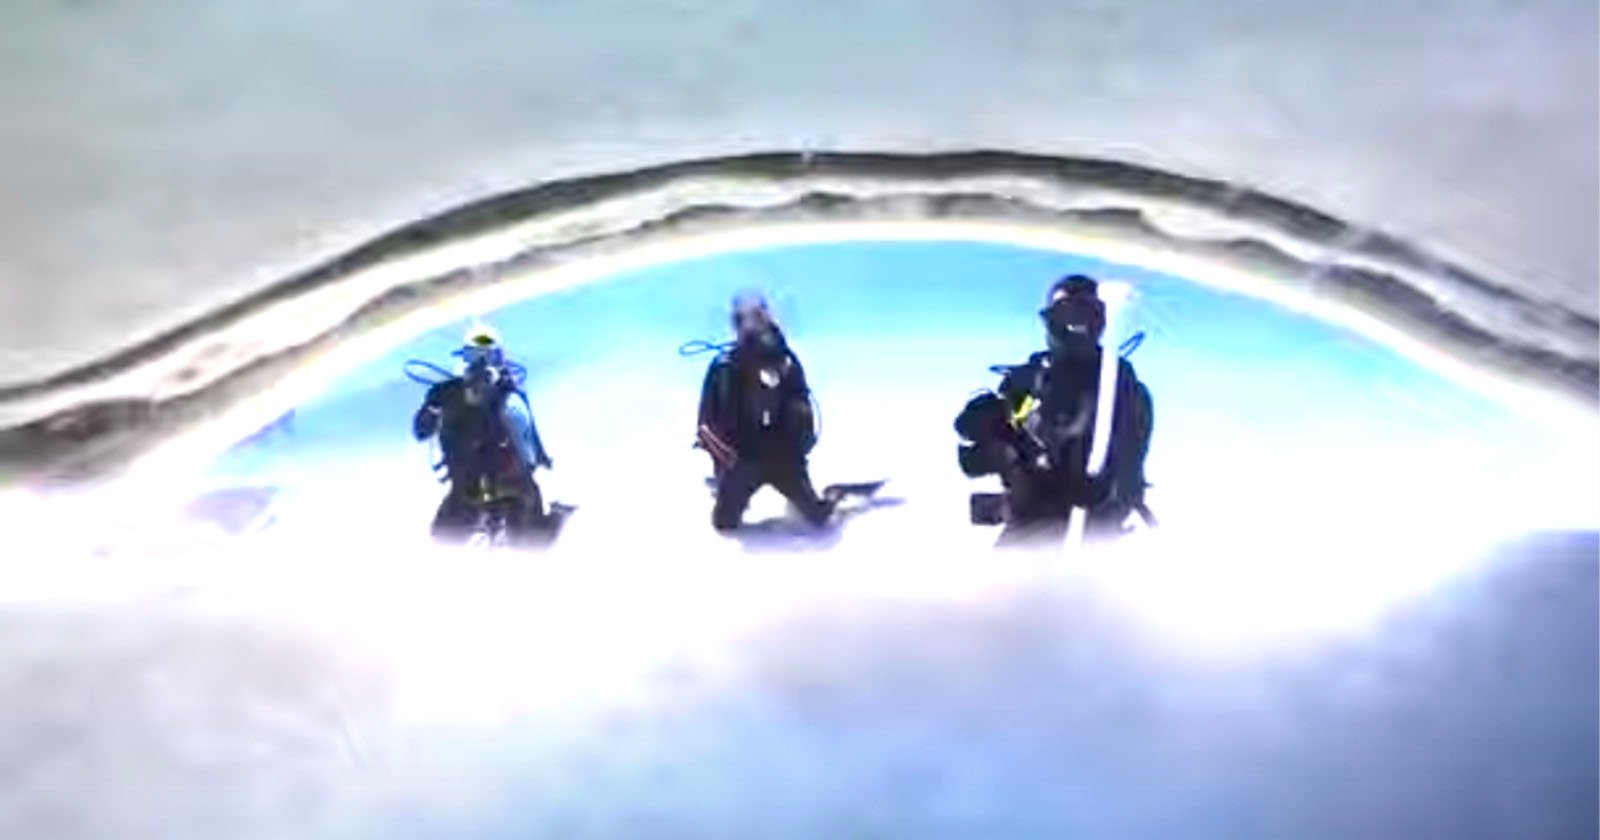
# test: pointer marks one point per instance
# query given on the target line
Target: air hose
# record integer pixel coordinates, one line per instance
(433, 374)
(700, 347)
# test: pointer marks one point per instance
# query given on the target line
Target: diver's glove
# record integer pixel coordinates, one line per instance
(425, 422)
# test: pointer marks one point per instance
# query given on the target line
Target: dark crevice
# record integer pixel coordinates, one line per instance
(1424, 314)
(1294, 219)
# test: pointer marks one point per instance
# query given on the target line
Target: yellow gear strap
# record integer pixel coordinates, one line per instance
(1029, 403)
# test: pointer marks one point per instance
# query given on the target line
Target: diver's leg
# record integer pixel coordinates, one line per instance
(1035, 517)
(1106, 522)
(791, 478)
(454, 520)
(526, 520)
(1033, 532)
(532, 499)
(735, 486)
(536, 501)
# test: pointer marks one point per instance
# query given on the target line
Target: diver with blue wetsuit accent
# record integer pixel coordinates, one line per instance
(490, 443)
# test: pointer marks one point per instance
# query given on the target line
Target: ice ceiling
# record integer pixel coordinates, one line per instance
(202, 199)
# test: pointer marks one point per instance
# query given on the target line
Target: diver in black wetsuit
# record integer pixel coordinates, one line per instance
(1036, 432)
(491, 447)
(756, 420)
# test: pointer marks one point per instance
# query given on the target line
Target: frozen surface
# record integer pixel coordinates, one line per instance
(1319, 643)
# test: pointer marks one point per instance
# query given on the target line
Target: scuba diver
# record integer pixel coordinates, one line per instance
(1036, 431)
(490, 444)
(756, 420)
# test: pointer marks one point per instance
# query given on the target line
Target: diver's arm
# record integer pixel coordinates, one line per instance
(542, 455)
(709, 388)
(425, 423)
(1122, 456)
(711, 433)
(800, 410)
(796, 378)
(1133, 419)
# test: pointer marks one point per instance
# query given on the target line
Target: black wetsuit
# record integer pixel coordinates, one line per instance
(484, 465)
(1042, 492)
(756, 423)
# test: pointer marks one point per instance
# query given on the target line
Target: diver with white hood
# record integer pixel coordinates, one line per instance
(756, 419)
